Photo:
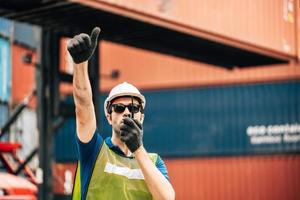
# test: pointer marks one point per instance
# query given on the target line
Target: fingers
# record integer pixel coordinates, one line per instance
(94, 35)
(126, 128)
(70, 47)
(79, 43)
(128, 121)
(86, 40)
(125, 136)
(83, 41)
(132, 122)
(138, 123)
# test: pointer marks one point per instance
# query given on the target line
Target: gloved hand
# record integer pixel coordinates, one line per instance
(82, 46)
(131, 133)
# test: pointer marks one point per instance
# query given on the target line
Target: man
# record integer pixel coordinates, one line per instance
(118, 167)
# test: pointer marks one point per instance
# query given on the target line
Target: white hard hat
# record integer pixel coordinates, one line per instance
(123, 89)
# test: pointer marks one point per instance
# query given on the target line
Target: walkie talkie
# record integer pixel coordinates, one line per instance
(132, 113)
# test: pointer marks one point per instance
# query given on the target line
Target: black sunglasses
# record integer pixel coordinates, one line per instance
(120, 108)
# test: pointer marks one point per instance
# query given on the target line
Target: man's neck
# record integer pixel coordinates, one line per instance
(116, 141)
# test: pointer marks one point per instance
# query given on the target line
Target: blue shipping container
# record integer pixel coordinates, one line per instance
(229, 120)
(3, 113)
(6, 27)
(26, 34)
(5, 70)
(65, 143)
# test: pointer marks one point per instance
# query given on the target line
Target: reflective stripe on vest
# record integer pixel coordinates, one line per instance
(114, 177)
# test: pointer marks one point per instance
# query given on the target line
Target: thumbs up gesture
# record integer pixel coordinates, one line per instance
(81, 47)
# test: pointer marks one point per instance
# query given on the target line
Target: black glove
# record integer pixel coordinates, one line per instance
(131, 133)
(82, 46)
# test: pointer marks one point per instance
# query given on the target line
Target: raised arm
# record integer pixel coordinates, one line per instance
(81, 48)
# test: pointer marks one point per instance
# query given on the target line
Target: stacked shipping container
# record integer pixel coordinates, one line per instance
(17, 80)
(213, 123)
(269, 25)
(209, 121)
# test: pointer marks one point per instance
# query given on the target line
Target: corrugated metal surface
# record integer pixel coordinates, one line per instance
(24, 131)
(3, 113)
(65, 66)
(157, 71)
(217, 118)
(65, 143)
(230, 178)
(5, 27)
(23, 75)
(5, 70)
(21, 33)
(65, 149)
(63, 173)
(222, 120)
(26, 34)
(273, 20)
(297, 3)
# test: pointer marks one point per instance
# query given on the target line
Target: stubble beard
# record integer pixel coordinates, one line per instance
(117, 130)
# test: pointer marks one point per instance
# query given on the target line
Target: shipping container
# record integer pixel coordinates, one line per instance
(26, 35)
(65, 142)
(297, 3)
(65, 149)
(21, 33)
(268, 24)
(159, 71)
(63, 174)
(226, 120)
(154, 70)
(4, 113)
(5, 70)
(212, 121)
(24, 131)
(65, 66)
(228, 178)
(23, 74)
(6, 27)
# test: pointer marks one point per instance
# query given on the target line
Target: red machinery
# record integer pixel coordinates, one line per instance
(13, 186)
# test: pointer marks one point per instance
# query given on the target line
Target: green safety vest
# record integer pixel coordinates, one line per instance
(114, 177)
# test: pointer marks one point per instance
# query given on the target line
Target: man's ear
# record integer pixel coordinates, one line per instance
(142, 118)
(108, 117)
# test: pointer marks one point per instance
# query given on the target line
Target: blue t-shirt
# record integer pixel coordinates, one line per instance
(88, 154)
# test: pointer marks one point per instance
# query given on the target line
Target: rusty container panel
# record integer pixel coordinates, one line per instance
(268, 24)
(63, 174)
(65, 66)
(160, 71)
(154, 70)
(229, 178)
(298, 28)
(23, 75)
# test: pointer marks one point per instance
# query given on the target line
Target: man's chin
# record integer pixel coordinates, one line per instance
(117, 133)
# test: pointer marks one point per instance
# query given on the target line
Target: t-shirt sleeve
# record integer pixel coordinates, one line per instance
(87, 154)
(162, 167)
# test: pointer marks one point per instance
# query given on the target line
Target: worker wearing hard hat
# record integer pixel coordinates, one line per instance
(118, 167)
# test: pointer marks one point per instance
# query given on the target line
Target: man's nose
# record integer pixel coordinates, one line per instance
(126, 113)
